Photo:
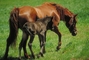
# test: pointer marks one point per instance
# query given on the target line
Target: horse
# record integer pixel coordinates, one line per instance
(39, 27)
(19, 16)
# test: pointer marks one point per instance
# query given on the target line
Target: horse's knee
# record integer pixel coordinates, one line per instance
(60, 34)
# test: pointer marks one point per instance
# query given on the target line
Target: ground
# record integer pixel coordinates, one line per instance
(72, 48)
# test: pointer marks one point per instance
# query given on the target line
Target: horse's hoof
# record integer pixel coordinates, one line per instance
(4, 58)
(26, 56)
(57, 48)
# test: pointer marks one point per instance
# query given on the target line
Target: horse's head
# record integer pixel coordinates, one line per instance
(71, 24)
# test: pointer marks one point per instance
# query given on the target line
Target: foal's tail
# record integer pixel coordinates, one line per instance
(13, 24)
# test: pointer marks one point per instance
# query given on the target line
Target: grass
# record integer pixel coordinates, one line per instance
(73, 48)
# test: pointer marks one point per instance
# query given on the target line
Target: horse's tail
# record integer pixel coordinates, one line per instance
(13, 24)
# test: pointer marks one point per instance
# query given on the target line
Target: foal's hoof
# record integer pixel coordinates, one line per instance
(40, 55)
(19, 58)
(33, 56)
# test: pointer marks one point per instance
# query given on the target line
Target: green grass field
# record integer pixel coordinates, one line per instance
(72, 48)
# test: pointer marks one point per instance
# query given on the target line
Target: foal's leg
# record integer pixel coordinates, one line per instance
(44, 51)
(30, 45)
(59, 35)
(42, 45)
(22, 43)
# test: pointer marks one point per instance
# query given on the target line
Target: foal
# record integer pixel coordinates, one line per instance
(39, 27)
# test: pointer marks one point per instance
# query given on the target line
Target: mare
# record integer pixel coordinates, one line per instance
(39, 27)
(19, 16)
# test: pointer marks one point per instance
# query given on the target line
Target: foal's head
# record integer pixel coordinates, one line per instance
(71, 24)
(29, 28)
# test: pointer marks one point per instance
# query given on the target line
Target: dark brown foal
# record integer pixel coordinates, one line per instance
(39, 27)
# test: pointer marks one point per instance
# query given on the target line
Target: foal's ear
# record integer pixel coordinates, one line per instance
(51, 17)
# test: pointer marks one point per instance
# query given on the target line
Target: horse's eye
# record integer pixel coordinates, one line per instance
(73, 24)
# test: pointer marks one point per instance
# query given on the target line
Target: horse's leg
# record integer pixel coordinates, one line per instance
(59, 35)
(42, 45)
(30, 45)
(24, 47)
(24, 40)
(7, 48)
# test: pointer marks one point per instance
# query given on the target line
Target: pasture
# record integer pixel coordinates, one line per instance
(72, 48)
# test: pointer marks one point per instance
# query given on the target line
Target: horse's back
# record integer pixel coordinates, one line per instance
(28, 13)
(45, 9)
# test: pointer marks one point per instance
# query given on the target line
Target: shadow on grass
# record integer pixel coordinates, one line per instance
(16, 58)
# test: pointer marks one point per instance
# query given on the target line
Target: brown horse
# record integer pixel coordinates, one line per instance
(21, 15)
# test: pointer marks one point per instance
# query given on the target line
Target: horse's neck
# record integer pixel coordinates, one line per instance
(63, 12)
(68, 13)
(60, 11)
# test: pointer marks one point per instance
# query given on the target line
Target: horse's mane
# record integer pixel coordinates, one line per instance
(53, 4)
(58, 8)
(61, 8)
